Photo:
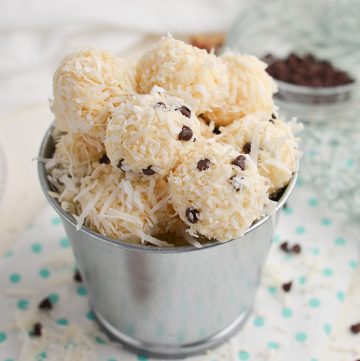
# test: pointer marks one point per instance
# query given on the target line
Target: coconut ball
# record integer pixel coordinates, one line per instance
(86, 87)
(217, 191)
(131, 209)
(181, 68)
(149, 133)
(250, 89)
(270, 143)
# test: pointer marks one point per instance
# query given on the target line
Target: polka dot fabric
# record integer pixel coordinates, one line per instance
(293, 325)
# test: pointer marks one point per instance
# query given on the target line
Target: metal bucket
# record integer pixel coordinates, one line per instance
(168, 302)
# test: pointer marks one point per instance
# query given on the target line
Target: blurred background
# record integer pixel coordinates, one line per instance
(35, 35)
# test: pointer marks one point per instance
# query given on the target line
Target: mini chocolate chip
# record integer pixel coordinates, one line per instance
(216, 130)
(148, 171)
(296, 249)
(194, 140)
(275, 196)
(247, 148)
(287, 286)
(104, 159)
(284, 246)
(37, 330)
(192, 215)
(185, 111)
(203, 164)
(271, 121)
(273, 116)
(45, 304)
(355, 329)
(120, 164)
(185, 134)
(239, 162)
(77, 276)
(161, 104)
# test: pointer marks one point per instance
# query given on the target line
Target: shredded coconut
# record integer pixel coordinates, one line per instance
(273, 146)
(178, 68)
(121, 208)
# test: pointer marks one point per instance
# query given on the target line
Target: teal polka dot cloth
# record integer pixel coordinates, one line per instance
(294, 325)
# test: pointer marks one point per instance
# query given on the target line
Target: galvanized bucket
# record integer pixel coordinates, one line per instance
(168, 302)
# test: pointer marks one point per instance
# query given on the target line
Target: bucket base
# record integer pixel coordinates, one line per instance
(173, 351)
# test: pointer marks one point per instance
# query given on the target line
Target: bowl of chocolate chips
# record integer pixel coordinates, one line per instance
(314, 89)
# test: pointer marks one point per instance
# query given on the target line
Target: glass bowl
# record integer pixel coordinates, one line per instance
(264, 28)
(314, 106)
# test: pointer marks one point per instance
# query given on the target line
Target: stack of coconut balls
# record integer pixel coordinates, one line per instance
(185, 147)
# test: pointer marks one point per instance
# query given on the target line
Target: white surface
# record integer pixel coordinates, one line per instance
(20, 137)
